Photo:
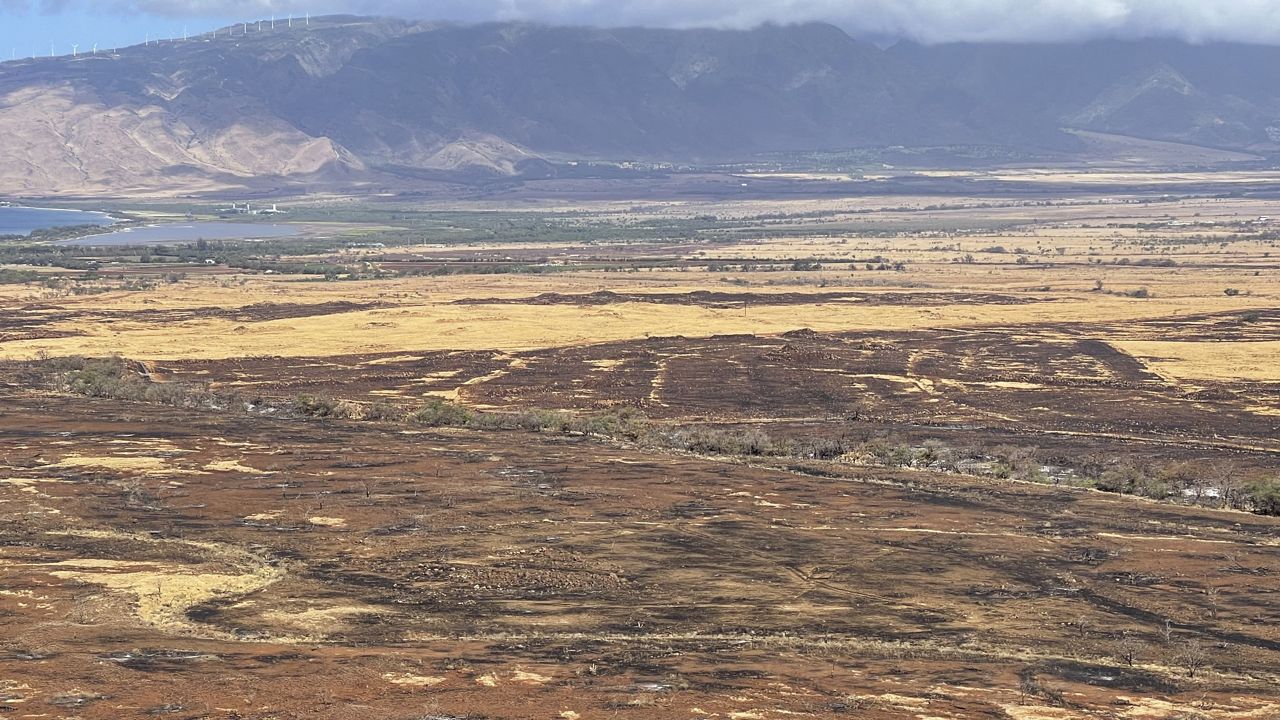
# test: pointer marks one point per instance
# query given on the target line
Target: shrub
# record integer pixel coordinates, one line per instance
(887, 453)
(823, 449)
(116, 379)
(1124, 478)
(627, 423)
(1264, 497)
(440, 413)
(1016, 462)
(327, 407)
(709, 441)
(542, 421)
(383, 411)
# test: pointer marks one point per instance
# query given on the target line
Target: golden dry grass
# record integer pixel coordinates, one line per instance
(1226, 361)
(1069, 249)
(163, 592)
(426, 326)
(137, 465)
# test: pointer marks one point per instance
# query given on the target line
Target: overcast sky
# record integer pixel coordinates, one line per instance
(27, 25)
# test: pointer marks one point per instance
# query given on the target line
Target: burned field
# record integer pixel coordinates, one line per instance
(172, 562)
(815, 458)
(1056, 386)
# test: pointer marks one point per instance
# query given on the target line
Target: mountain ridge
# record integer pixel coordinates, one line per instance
(350, 98)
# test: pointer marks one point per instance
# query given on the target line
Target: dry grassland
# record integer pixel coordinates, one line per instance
(1067, 253)
(871, 493)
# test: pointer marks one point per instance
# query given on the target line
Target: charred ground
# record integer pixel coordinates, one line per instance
(816, 458)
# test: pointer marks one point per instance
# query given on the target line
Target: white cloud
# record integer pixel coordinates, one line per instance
(925, 20)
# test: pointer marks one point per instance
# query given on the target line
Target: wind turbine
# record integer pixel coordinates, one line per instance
(291, 20)
(95, 49)
(75, 49)
(273, 22)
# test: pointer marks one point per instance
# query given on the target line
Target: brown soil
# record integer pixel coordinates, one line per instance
(345, 570)
(236, 563)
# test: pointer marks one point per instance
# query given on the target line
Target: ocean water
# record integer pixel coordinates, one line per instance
(24, 220)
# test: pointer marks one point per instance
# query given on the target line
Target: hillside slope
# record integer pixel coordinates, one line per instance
(349, 98)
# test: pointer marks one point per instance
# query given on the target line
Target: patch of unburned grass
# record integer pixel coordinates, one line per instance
(164, 592)
(137, 465)
(508, 327)
(235, 466)
(1225, 361)
(317, 623)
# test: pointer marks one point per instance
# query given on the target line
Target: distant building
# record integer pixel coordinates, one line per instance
(248, 209)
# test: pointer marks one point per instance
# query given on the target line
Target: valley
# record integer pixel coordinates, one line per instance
(951, 455)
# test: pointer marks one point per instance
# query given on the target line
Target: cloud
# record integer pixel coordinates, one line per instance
(924, 20)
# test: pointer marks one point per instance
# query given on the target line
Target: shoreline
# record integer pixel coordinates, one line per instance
(104, 219)
(216, 227)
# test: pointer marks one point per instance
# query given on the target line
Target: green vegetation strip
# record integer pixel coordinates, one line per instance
(120, 379)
